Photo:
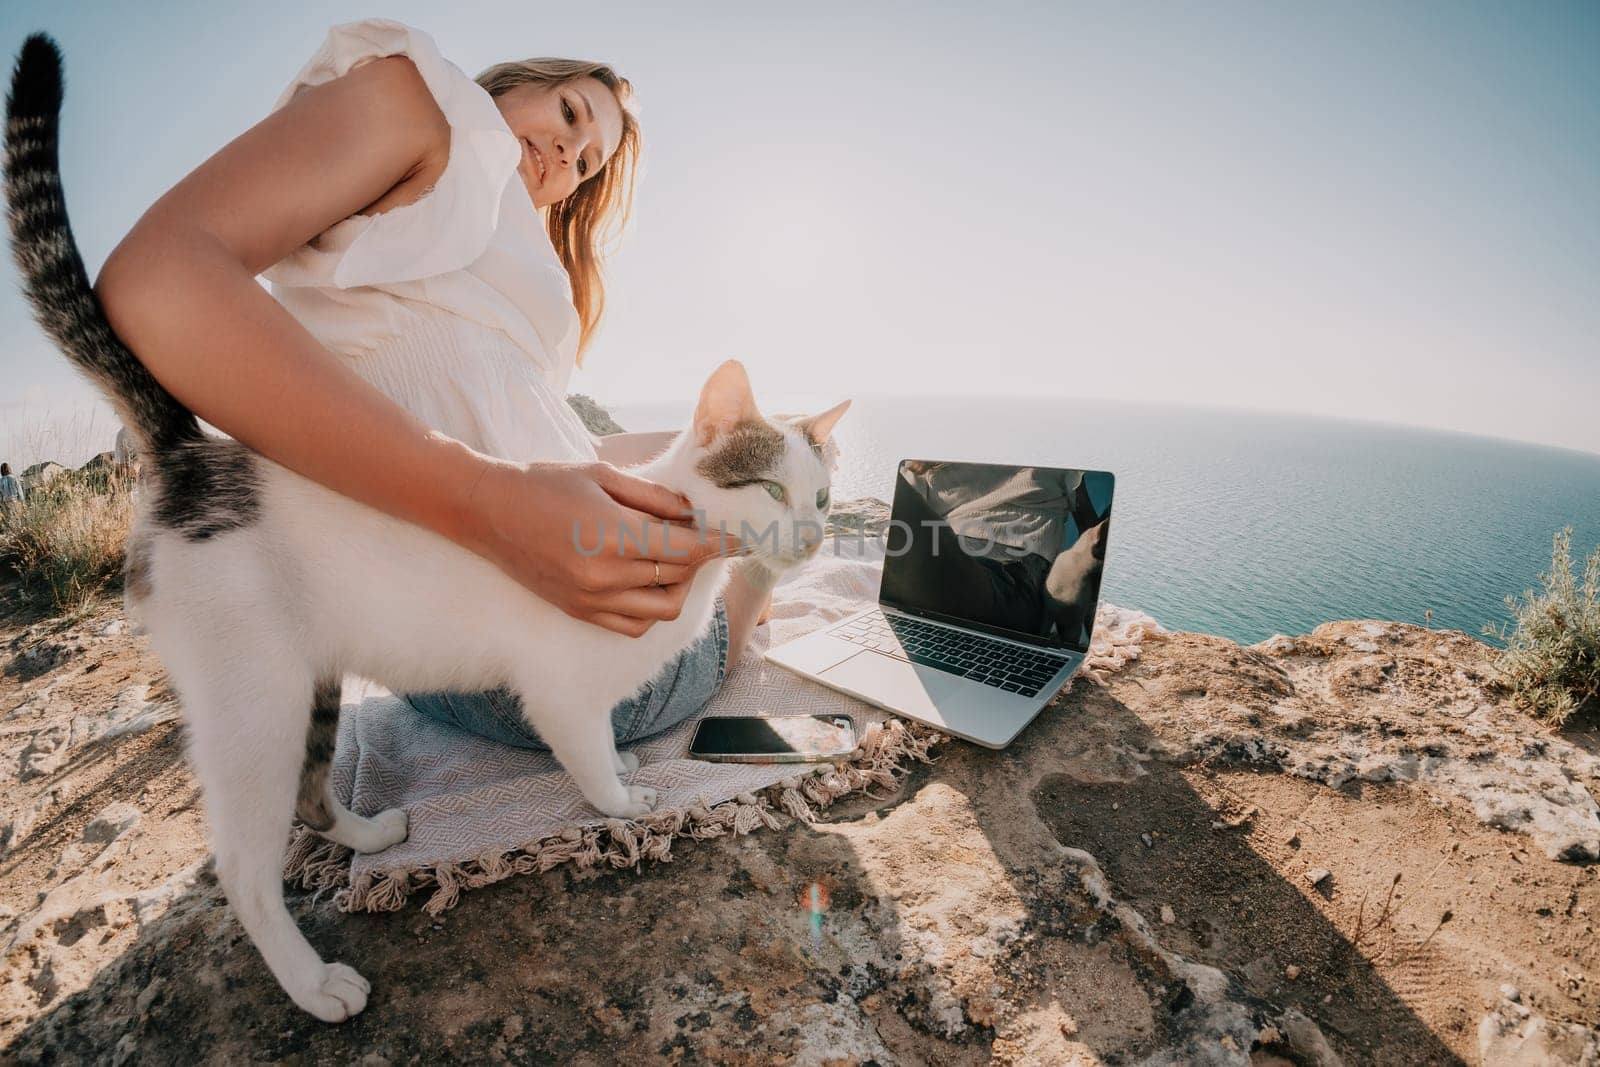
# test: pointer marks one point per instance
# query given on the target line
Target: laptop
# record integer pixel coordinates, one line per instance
(991, 578)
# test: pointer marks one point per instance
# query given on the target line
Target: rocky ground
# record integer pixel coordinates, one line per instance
(1337, 846)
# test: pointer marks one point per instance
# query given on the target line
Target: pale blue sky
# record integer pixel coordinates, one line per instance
(1380, 211)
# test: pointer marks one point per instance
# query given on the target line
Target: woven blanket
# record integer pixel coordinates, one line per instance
(481, 811)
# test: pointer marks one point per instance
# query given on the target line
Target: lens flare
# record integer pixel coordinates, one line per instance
(815, 901)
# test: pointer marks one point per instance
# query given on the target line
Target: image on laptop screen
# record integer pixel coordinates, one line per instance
(1016, 551)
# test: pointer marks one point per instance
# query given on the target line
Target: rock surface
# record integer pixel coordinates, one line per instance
(595, 418)
(1129, 882)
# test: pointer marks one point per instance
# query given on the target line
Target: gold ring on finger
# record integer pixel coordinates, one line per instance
(656, 579)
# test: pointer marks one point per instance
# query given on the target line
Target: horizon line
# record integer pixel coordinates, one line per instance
(1109, 400)
(99, 406)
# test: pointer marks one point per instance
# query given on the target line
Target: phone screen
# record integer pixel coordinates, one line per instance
(793, 736)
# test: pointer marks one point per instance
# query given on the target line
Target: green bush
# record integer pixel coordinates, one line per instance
(67, 540)
(1551, 663)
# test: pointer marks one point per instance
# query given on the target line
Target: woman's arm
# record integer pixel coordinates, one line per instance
(632, 449)
(180, 291)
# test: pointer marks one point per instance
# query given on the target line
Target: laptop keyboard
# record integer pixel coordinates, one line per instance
(1013, 668)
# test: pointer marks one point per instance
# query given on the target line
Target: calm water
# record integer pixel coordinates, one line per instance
(1247, 525)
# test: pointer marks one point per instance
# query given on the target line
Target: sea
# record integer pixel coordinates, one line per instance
(1246, 524)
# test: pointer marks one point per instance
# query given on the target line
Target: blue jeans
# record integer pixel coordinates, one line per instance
(680, 689)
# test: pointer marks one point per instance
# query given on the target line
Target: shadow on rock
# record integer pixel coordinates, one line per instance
(999, 906)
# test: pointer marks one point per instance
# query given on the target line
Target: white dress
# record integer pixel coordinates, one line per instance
(456, 306)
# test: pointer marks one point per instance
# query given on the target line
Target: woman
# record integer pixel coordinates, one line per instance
(11, 491)
(433, 245)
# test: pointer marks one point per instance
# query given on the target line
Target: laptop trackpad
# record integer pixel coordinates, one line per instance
(896, 684)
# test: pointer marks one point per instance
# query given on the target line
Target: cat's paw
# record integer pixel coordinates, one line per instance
(335, 994)
(627, 762)
(641, 801)
(387, 828)
(642, 798)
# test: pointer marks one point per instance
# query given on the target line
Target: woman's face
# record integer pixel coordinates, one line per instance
(567, 131)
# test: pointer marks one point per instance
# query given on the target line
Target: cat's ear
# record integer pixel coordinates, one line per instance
(1097, 547)
(725, 401)
(819, 427)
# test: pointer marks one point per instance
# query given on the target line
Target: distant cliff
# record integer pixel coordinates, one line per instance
(595, 417)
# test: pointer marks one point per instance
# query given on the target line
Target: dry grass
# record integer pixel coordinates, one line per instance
(66, 542)
(1552, 659)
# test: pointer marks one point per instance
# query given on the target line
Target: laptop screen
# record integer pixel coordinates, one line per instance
(1015, 551)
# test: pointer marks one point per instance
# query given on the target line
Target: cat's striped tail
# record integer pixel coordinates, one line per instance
(54, 279)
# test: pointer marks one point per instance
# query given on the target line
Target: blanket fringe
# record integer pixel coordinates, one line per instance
(886, 752)
(884, 757)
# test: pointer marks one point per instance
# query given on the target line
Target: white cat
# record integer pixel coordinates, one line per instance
(261, 589)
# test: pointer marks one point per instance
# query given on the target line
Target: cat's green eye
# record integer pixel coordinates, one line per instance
(775, 491)
(822, 499)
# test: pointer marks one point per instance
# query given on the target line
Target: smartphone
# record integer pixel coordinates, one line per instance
(784, 739)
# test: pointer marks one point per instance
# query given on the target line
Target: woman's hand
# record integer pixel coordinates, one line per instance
(571, 532)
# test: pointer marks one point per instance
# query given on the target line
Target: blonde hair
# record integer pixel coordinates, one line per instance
(597, 211)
